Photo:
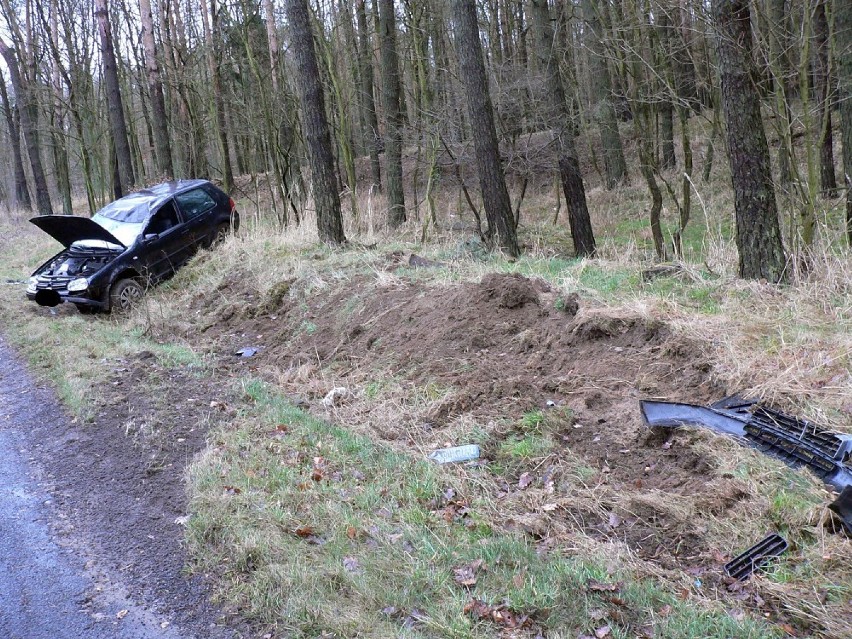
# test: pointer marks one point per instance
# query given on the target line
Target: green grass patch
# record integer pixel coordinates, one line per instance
(315, 529)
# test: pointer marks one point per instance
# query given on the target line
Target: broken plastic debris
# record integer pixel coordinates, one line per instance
(455, 454)
(247, 351)
(756, 557)
(550, 403)
(842, 506)
(335, 396)
(795, 441)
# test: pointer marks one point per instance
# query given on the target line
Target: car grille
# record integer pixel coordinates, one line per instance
(58, 283)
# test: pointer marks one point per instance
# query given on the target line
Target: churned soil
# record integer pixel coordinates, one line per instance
(496, 350)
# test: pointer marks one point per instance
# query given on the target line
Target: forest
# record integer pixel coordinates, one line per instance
(327, 103)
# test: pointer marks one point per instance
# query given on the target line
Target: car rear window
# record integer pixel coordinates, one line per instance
(195, 202)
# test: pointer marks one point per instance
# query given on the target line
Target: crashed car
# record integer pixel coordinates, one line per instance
(135, 242)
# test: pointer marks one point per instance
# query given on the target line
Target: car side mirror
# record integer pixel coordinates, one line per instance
(150, 237)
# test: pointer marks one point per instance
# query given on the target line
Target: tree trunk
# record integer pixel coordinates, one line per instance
(217, 106)
(29, 128)
(822, 84)
(559, 119)
(155, 90)
(781, 69)
(601, 93)
(666, 108)
(843, 44)
(60, 136)
(393, 114)
(761, 252)
(315, 125)
(368, 102)
(495, 197)
(118, 126)
(22, 194)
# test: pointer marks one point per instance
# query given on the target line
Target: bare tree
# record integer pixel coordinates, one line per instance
(315, 125)
(495, 197)
(26, 110)
(601, 92)
(559, 118)
(393, 114)
(822, 82)
(22, 194)
(210, 23)
(368, 102)
(758, 234)
(124, 173)
(155, 91)
(843, 36)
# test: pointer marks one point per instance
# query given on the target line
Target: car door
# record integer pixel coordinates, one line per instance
(166, 242)
(196, 205)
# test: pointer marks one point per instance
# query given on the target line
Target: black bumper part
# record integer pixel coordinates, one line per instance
(742, 566)
(798, 442)
(54, 298)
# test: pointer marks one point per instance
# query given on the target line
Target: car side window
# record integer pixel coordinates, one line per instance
(164, 219)
(195, 202)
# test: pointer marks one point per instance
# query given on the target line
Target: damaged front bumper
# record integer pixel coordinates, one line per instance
(50, 297)
(796, 441)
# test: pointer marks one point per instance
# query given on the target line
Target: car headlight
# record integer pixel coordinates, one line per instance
(80, 284)
(32, 286)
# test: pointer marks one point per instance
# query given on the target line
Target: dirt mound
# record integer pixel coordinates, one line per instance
(501, 346)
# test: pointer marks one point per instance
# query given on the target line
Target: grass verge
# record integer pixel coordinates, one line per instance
(322, 532)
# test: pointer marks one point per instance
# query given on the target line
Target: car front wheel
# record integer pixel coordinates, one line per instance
(125, 294)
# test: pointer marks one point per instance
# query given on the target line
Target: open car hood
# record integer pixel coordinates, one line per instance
(67, 229)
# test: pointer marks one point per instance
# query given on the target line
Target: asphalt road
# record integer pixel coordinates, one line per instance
(51, 584)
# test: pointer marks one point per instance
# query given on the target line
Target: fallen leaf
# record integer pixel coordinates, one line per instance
(549, 507)
(466, 574)
(232, 490)
(351, 564)
(121, 614)
(282, 428)
(518, 579)
(352, 532)
(598, 586)
(304, 531)
(665, 611)
(602, 632)
(785, 627)
(525, 480)
(317, 475)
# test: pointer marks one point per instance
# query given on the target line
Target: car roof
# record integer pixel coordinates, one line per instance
(161, 192)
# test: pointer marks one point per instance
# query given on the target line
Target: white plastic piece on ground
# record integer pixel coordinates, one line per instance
(455, 454)
(335, 396)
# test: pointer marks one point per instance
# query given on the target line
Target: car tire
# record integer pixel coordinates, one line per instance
(125, 294)
(222, 233)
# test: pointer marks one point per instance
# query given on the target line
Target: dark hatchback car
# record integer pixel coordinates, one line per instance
(135, 242)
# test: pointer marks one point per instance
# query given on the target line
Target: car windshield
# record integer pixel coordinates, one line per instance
(125, 218)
